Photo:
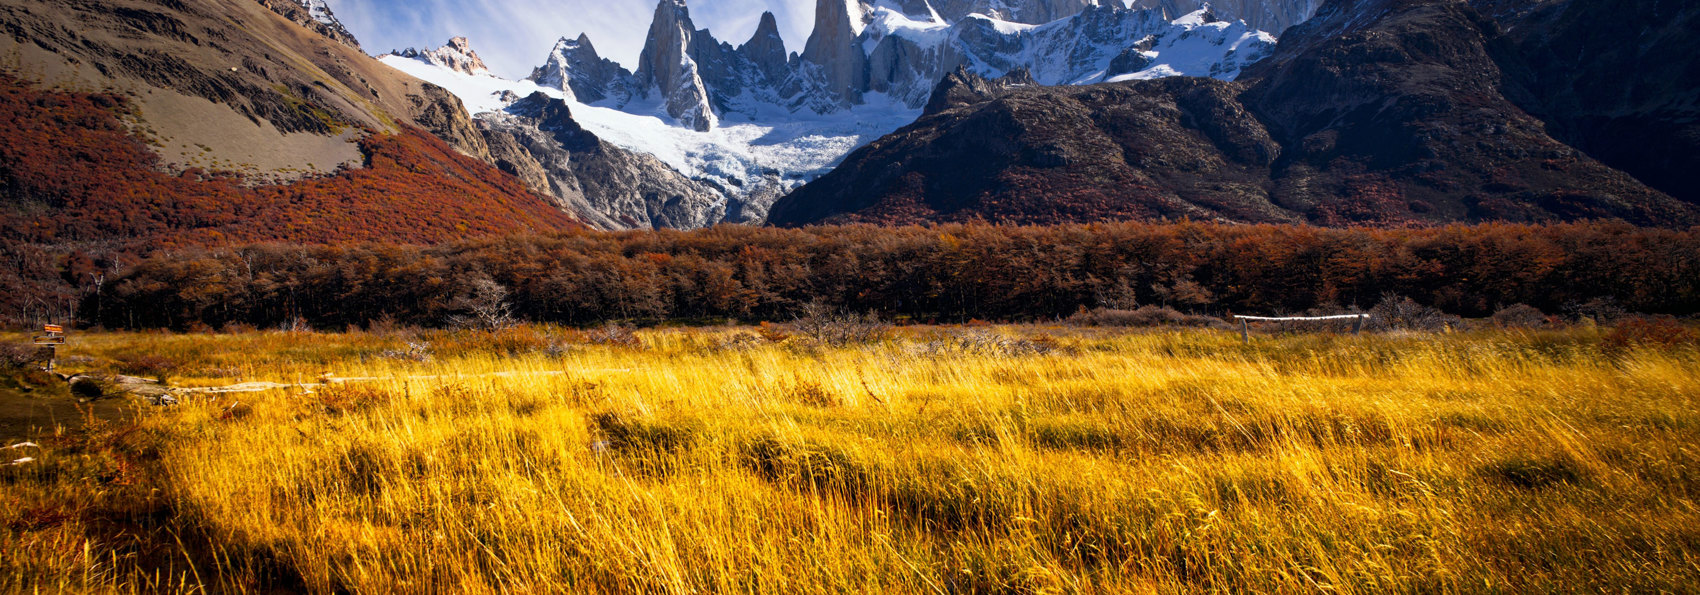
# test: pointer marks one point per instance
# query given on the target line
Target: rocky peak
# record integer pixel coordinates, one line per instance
(766, 49)
(457, 55)
(575, 68)
(667, 67)
(963, 87)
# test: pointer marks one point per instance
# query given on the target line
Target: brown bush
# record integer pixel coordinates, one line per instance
(1144, 316)
(1662, 332)
(824, 325)
(1404, 314)
(14, 356)
(615, 335)
(158, 367)
(1521, 316)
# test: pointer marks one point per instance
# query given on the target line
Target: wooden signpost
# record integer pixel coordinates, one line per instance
(55, 336)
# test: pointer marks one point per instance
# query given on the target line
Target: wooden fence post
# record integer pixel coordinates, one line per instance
(1358, 323)
(1245, 331)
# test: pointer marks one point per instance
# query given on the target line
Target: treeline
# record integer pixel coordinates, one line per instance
(944, 273)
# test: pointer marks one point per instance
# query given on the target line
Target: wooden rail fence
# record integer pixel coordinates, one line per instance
(1245, 327)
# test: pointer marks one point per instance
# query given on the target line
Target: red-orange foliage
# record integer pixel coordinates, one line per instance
(70, 171)
(949, 272)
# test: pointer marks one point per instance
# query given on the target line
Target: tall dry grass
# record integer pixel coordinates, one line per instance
(986, 460)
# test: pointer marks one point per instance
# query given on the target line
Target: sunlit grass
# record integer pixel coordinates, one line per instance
(1008, 460)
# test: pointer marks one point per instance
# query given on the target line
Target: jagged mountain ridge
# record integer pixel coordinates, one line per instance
(1388, 112)
(752, 122)
(901, 50)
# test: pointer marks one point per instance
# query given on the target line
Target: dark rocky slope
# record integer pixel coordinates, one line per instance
(1386, 112)
(609, 187)
(1619, 79)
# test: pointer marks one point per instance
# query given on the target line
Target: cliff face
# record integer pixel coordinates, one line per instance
(667, 68)
(1383, 112)
(832, 52)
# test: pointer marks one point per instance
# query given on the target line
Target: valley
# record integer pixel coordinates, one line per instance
(894, 296)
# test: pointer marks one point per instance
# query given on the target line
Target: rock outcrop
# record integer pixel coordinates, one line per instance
(314, 15)
(963, 88)
(833, 55)
(457, 55)
(765, 51)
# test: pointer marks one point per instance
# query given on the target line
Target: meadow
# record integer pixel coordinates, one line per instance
(969, 459)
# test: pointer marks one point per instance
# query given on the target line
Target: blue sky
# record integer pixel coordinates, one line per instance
(513, 36)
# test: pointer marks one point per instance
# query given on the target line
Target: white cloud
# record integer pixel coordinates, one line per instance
(513, 36)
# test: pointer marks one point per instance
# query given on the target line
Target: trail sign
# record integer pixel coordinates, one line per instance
(52, 329)
(49, 340)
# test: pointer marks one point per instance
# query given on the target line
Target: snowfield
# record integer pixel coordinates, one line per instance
(795, 147)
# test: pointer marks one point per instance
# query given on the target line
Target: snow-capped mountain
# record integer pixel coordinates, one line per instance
(457, 56)
(898, 49)
(754, 122)
(575, 69)
(1101, 43)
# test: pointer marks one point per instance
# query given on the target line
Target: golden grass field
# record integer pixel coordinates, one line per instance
(1021, 459)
